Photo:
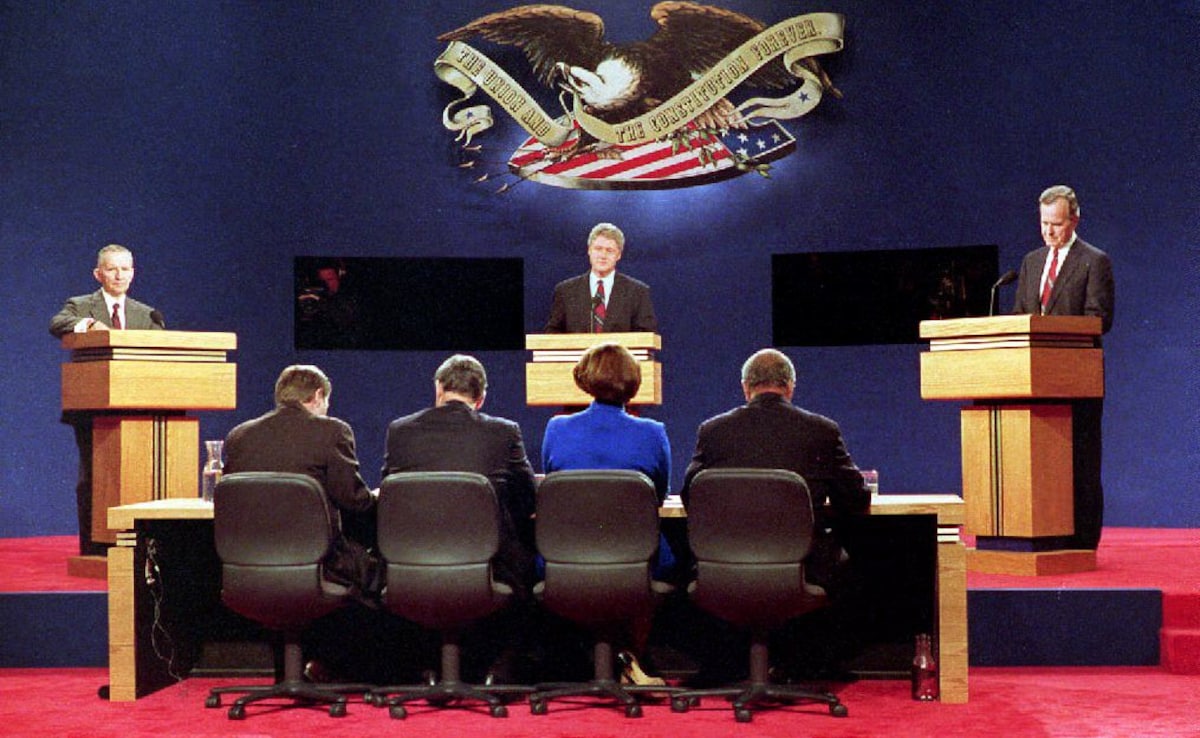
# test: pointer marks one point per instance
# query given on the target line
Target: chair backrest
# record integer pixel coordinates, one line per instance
(272, 531)
(750, 530)
(597, 531)
(438, 533)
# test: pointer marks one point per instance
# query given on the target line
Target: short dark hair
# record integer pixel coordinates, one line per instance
(463, 375)
(768, 368)
(298, 383)
(609, 373)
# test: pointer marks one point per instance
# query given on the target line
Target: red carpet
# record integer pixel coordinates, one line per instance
(1014, 703)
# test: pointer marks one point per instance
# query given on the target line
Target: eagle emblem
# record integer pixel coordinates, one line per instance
(655, 113)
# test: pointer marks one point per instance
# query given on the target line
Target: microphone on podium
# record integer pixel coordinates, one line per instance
(1005, 278)
(157, 319)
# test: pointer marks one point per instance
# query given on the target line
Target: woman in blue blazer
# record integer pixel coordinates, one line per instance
(604, 436)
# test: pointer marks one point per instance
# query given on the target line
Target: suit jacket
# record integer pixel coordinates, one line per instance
(456, 437)
(629, 307)
(291, 439)
(137, 314)
(1084, 285)
(606, 437)
(769, 432)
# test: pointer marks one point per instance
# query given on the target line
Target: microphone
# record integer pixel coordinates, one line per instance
(157, 319)
(1005, 278)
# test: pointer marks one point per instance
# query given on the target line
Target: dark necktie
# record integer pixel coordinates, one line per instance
(116, 316)
(598, 310)
(1051, 275)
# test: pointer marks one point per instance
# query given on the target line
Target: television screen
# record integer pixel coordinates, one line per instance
(843, 298)
(429, 304)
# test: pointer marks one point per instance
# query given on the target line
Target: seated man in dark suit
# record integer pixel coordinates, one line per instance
(603, 300)
(298, 436)
(769, 432)
(454, 435)
(109, 307)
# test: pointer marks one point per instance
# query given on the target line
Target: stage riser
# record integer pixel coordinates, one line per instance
(1076, 627)
(53, 629)
(1008, 627)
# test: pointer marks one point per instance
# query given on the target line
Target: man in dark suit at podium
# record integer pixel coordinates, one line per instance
(603, 300)
(108, 308)
(1069, 276)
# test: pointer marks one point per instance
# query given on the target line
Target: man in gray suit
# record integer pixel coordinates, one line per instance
(1069, 276)
(109, 307)
(603, 300)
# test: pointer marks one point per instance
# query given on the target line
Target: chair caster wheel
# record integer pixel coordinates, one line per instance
(337, 709)
(742, 714)
(499, 711)
(680, 705)
(838, 710)
(633, 711)
(397, 712)
(237, 712)
(213, 700)
(537, 707)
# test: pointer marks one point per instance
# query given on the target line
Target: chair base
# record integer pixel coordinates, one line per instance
(625, 695)
(751, 695)
(758, 691)
(449, 690)
(292, 686)
(445, 694)
(603, 684)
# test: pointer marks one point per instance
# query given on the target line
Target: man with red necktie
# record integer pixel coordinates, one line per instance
(603, 300)
(1069, 276)
(109, 307)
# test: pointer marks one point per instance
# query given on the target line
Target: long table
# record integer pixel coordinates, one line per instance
(153, 589)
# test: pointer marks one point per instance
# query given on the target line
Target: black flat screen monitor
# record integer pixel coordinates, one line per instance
(844, 298)
(426, 304)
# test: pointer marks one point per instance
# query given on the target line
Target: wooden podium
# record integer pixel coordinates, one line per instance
(1021, 371)
(548, 377)
(137, 386)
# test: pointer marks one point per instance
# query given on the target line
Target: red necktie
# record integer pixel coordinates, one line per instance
(1048, 287)
(598, 309)
(116, 316)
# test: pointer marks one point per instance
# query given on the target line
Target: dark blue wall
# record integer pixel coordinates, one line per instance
(219, 140)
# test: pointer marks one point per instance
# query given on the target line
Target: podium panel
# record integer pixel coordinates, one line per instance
(1022, 486)
(549, 378)
(1012, 373)
(141, 458)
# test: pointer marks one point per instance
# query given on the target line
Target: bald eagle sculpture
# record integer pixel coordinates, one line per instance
(567, 48)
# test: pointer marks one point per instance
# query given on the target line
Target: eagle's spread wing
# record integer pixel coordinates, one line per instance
(546, 33)
(698, 36)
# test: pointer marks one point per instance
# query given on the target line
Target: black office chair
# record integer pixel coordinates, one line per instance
(598, 532)
(438, 533)
(750, 530)
(272, 531)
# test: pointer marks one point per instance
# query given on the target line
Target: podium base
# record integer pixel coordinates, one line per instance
(89, 567)
(1032, 564)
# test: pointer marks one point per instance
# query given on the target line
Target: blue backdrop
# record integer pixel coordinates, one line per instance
(220, 140)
